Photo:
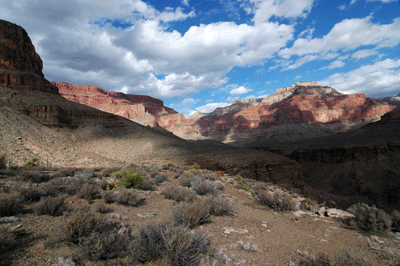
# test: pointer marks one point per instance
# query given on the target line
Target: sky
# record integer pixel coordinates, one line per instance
(204, 54)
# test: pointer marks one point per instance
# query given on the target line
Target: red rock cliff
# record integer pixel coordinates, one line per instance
(20, 65)
(142, 109)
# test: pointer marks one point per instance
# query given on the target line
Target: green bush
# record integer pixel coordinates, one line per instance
(196, 166)
(30, 164)
(129, 178)
(3, 161)
(369, 218)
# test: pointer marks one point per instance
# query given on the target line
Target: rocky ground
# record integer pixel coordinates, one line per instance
(253, 234)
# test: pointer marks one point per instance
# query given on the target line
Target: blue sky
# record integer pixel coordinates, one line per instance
(199, 55)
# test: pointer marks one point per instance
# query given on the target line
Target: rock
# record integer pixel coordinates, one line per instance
(65, 262)
(337, 213)
(301, 111)
(10, 219)
(322, 212)
(394, 100)
(141, 109)
(20, 65)
(146, 215)
(229, 230)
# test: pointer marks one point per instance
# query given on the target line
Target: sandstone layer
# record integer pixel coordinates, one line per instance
(20, 65)
(301, 111)
(142, 109)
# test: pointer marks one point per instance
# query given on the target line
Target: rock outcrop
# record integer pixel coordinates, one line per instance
(301, 111)
(395, 100)
(142, 109)
(20, 65)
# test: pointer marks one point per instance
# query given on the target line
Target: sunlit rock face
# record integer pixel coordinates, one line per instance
(306, 106)
(142, 109)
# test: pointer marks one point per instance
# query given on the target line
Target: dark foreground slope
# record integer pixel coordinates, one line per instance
(359, 165)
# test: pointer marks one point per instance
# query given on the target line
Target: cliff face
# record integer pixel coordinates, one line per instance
(22, 82)
(20, 65)
(321, 109)
(142, 109)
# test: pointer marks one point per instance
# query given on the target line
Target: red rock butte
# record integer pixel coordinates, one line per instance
(20, 65)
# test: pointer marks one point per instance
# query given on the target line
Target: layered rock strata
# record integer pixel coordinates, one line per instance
(142, 109)
(20, 65)
(314, 111)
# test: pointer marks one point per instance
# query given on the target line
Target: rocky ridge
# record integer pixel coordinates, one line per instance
(141, 109)
(394, 100)
(301, 111)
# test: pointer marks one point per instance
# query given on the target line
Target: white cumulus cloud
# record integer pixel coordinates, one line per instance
(240, 90)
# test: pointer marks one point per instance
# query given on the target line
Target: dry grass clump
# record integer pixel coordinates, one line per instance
(53, 206)
(175, 245)
(148, 184)
(125, 197)
(103, 245)
(102, 208)
(191, 214)
(81, 224)
(185, 181)
(276, 200)
(160, 178)
(219, 207)
(32, 194)
(345, 259)
(88, 192)
(203, 187)
(369, 218)
(35, 176)
(10, 204)
(179, 194)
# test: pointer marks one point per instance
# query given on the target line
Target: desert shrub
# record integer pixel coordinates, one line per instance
(160, 177)
(73, 185)
(203, 187)
(107, 172)
(3, 161)
(30, 164)
(124, 197)
(219, 185)
(179, 194)
(175, 245)
(185, 181)
(149, 244)
(396, 220)
(103, 245)
(10, 204)
(32, 195)
(64, 172)
(88, 192)
(101, 208)
(184, 247)
(53, 206)
(345, 259)
(219, 173)
(35, 177)
(196, 166)
(191, 214)
(82, 224)
(277, 200)
(148, 184)
(129, 178)
(219, 207)
(367, 218)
